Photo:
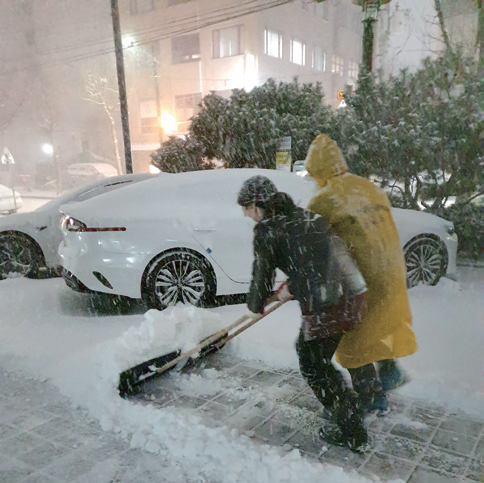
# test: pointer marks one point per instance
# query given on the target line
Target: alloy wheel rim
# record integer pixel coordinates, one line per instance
(179, 281)
(423, 265)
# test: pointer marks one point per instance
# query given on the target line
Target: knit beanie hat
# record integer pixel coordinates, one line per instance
(255, 191)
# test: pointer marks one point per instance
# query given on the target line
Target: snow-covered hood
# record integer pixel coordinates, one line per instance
(418, 220)
(411, 223)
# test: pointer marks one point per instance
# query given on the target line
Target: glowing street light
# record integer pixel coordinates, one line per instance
(168, 123)
(48, 149)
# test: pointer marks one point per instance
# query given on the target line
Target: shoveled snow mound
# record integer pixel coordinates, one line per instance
(177, 434)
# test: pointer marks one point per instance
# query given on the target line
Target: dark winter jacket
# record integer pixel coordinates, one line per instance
(295, 241)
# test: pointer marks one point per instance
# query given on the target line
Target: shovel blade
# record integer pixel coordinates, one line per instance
(131, 380)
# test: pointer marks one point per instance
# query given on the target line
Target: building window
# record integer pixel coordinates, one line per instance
(137, 7)
(273, 43)
(337, 65)
(353, 70)
(227, 42)
(319, 59)
(148, 117)
(298, 52)
(187, 106)
(185, 48)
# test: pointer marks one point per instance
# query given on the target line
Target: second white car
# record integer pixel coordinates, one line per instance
(183, 238)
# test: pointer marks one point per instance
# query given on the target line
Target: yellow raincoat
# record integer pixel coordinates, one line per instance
(360, 214)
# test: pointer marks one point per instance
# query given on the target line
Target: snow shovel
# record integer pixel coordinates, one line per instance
(131, 379)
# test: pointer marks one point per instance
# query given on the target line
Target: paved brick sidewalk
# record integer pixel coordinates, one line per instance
(44, 440)
(416, 442)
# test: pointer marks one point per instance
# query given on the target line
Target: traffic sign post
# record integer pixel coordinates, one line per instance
(7, 159)
(283, 154)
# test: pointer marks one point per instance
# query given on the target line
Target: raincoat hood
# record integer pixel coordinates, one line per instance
(325, 160)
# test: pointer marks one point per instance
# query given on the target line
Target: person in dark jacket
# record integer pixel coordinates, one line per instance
(297, 242)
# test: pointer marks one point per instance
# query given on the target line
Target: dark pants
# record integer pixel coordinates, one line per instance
(327, 382)
(371, 387)
(366, 385)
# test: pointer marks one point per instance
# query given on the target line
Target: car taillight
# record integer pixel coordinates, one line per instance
(73, 224)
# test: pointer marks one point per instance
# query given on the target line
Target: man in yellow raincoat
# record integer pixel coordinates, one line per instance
(360, 213)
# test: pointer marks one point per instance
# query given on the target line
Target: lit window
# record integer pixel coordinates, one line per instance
(319, 59)
(273, 43)
(141, 6)
(148, 117)
(353, 70)
(337, 64)
(227, 42)
(187, 106)
(185, 49)
(298, 52)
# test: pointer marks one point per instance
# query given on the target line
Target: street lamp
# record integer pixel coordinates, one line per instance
(48, 149)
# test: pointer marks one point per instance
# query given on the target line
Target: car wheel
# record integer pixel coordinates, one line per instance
(19, 256)
(179, 276)
(426, 260)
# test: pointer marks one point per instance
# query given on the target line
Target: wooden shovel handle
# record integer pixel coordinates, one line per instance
(253, 321)
(221, 333)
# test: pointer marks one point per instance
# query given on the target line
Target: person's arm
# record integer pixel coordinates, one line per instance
(349, 276)
(352, 303)
(263, 270)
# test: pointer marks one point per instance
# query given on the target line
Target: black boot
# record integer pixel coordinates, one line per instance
(391, 376)
(371, 397)
(346, 425)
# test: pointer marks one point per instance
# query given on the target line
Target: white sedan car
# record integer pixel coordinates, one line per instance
(7, 202)
(182, 237)
(29, 241)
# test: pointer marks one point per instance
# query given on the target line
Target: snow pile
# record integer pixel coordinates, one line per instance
(448, 367)
(179, 435)
(49, 333)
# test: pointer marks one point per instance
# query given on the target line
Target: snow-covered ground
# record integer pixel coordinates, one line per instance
(49, 332)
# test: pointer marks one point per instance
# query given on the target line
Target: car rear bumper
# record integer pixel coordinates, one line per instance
(112, 273)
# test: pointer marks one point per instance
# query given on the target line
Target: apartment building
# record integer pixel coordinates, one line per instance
(58, 84)
(177, 51)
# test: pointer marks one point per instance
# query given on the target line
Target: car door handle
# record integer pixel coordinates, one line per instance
(204, 230)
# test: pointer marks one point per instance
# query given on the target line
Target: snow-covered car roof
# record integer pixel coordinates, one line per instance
(179, 189)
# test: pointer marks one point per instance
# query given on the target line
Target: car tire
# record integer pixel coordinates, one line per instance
(19, 255)
(426, 260)
(179, 276)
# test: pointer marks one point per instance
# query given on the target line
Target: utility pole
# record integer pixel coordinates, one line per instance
(123, 100)
(369, 6)
(368, 41)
